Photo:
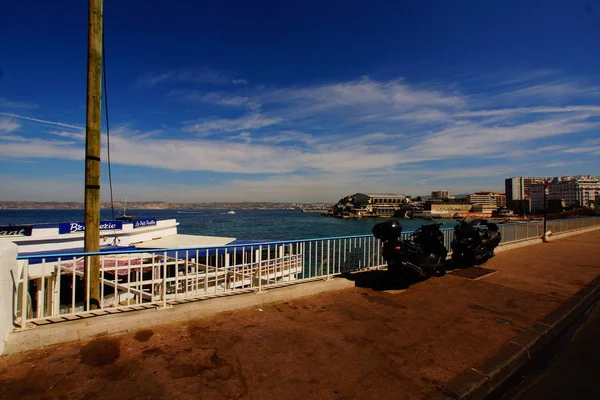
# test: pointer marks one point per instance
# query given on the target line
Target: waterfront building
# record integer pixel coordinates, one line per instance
(360, 205)
(578, 191)
(379, 204)
(496, 199)
(519, 188)
(440, 194)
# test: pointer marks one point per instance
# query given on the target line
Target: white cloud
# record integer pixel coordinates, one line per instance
(556, 90)
(199, 75)
(588, 149)
(61, 124)
(6, 103)
(383, 96)
(561, 164)
(286, 136)
(250, 121)
(246, 137)
(362, 134)
(197, 96)
(6, 125)
(530, 110)
(72, 135)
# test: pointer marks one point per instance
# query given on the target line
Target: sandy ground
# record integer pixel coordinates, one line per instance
(377, 340)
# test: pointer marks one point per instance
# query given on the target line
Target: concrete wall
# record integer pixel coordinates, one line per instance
(8, 270)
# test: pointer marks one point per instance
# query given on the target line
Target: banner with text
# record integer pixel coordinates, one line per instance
(74, 227)
(16, 230)
(139, 223)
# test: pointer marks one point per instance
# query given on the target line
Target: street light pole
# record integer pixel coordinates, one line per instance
(546, 190)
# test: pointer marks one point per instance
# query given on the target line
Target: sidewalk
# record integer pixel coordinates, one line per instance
(372, 341)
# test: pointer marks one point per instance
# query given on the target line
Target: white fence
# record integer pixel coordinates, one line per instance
(50, 288)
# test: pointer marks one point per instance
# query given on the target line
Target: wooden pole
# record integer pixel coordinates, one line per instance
(92, 155)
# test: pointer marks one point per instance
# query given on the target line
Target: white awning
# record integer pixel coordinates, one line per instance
(183, 241)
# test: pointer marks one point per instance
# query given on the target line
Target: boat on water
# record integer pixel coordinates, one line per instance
(230, 212)
(124, 216)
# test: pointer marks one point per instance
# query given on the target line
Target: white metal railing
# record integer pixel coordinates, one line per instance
(50, 288)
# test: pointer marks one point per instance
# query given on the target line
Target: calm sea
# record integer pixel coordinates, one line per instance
(244, 224)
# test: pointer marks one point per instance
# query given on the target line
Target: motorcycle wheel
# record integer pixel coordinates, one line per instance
(441, 271)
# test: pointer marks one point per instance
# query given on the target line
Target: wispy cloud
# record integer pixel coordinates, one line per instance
(362, 134)
(41, 121)
(72, 135)
(250, 121)
(199, 75)
(6, 103)
(370, 95)
(6, 125)
(554, 90)
(530, 110)
(197, 96)
(561, 164)
(587, 149)
(289, 136)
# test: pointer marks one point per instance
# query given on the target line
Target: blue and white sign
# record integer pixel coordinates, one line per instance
(16, 230)
(74, 227)
(139, 223)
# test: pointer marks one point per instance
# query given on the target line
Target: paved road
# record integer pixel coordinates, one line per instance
(372, 341)
(574, 372)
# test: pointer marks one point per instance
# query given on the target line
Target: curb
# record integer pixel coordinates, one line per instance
(480, 380)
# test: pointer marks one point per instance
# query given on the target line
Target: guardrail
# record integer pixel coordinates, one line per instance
(50, 288)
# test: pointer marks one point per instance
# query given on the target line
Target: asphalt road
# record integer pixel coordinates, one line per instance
(574, 371)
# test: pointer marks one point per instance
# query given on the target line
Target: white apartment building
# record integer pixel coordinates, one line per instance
(487, 199)
(384, 205)
(580, 191)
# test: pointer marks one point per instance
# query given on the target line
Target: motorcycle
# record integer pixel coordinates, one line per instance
(424, 254)
(474, 241)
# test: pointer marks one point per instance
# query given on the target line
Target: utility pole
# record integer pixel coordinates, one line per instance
(92, 156)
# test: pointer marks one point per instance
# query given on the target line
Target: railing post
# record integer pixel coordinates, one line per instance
(164, 280)
(24, 294)
(57, 276)
(260, 289)
(328, 258)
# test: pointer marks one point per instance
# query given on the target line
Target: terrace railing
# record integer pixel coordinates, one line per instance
(50, 288)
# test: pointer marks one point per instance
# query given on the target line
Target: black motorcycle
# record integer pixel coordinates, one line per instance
(474, 241)
(424, 254)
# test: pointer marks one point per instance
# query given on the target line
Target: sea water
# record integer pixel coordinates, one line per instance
(244, 224)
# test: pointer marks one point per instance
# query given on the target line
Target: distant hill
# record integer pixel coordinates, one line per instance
(159, 205)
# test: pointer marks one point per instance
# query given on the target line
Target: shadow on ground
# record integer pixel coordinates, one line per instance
(380, 280)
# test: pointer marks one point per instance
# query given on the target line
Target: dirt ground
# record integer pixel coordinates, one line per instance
(374, 341)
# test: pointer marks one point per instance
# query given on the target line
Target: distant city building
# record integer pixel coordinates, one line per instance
(521, 207)
(519, 188)
(480, 208)
(494, 199)
(578, 191)
(361, 205)
(440, 194)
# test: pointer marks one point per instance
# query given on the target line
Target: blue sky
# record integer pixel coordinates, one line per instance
(301, 101)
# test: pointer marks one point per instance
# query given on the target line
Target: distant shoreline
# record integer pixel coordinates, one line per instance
(33, 205)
